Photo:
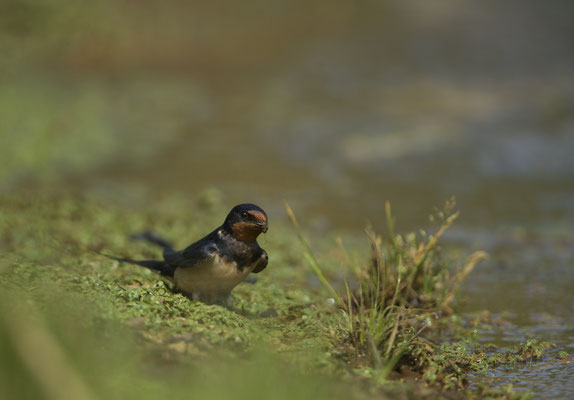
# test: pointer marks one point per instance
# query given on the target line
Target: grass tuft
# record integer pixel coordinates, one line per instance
(405, 280)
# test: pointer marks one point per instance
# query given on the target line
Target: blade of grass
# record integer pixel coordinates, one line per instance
(474, 259)
(46, 360)
(308, 254)
(394, 333)
(434, 239)
(376, 357)
(390, 220)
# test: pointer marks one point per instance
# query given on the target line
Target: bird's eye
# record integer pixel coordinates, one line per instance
(245, 214)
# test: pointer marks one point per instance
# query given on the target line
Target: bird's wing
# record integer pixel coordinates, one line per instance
(196, 253)
(261, 262)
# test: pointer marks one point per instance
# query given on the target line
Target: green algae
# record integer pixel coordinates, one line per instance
(111, 319)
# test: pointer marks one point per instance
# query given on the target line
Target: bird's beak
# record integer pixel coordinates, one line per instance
(263, 226)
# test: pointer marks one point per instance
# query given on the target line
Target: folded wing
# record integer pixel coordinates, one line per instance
(195, 254)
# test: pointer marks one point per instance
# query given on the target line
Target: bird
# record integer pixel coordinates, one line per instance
(209, 269)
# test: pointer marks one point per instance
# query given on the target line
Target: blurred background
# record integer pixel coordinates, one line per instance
(335, 106)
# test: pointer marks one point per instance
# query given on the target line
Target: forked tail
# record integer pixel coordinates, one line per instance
(153, 238)
(161, 267)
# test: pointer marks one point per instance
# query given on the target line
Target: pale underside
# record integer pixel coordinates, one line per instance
(212, 280)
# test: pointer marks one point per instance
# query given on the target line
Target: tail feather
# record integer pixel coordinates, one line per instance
(153, 238)
(160, 267)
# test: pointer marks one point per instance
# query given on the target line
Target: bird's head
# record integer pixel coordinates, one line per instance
(245, 222)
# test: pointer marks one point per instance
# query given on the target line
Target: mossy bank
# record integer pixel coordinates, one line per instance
(75, 323)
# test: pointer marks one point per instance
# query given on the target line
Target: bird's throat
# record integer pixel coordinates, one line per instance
(245, 232)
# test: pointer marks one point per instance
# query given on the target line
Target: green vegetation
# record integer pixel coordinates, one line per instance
(408, 275)
(401, 309)
(73, 320)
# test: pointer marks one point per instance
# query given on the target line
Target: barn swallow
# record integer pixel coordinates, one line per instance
(210, 268)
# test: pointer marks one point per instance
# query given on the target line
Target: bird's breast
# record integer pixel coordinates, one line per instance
(216, 275)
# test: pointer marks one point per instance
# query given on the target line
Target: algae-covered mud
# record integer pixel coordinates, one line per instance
(75, 323)
(119, 117)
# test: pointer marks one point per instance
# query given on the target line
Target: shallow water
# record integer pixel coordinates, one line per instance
(528, 279)
(335, 112)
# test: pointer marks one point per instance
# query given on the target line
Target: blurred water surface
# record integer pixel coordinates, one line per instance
(335, 106)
